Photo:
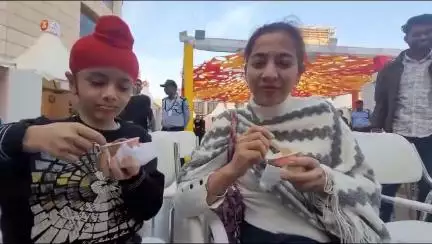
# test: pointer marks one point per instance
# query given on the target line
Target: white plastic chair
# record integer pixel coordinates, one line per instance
(394, 160)
(168, 159)
(168, 164)
(187, 141)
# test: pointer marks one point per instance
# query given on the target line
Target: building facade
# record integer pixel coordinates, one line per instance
(20, 21)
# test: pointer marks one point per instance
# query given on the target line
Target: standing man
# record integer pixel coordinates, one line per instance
(175, 109)
(403, 96)
(360, 118)
(138, 110)
(199, 127)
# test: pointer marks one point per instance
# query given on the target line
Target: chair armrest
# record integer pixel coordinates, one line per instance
(411, 204)
(428, 200)
(190, 230)
(426, 175)
(151, 240)
(170, 191)
(201, 229)
(216, 227)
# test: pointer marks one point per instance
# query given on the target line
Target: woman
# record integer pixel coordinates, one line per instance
(334, 196)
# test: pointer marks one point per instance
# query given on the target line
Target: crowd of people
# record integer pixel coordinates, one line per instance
(63, 192)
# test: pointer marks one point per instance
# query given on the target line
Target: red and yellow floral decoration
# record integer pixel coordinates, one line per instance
(222, 78)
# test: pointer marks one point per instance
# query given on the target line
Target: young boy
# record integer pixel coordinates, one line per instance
(60, 194)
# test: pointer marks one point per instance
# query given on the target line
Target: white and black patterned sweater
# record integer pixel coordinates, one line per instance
(312, 127)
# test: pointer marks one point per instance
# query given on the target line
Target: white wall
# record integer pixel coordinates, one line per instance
(343, 101)
(368, 94)
(20, 20)
(24, 96)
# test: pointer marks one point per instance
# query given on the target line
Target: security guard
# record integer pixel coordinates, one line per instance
(175, 109)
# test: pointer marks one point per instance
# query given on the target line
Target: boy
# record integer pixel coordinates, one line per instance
(60, 193)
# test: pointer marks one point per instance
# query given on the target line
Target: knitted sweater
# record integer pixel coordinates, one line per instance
(312, 127)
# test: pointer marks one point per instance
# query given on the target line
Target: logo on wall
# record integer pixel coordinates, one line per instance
(51, 99)
(50, 26)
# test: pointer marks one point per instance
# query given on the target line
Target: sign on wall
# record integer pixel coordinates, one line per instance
(50, 27)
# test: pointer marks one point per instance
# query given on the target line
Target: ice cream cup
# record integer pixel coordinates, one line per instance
(109, 150)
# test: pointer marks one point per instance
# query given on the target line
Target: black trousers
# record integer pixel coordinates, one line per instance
(177, 128)
(200, 136)
(363, 129)
(252, 234)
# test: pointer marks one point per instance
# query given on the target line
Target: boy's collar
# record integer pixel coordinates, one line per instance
(77, 118)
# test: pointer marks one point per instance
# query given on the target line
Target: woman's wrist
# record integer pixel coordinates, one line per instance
(218, 182)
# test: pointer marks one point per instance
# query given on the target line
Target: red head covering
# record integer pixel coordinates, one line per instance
(110, 46)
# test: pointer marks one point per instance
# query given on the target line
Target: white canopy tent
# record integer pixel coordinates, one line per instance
(48, 57)
(220, 108)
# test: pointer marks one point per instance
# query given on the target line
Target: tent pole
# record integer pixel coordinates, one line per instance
(355, 96)
(188, 80)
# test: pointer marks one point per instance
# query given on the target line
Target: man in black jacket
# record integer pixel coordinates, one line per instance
(63, 191)
(199, 127)
(403, 96)
(139, 110)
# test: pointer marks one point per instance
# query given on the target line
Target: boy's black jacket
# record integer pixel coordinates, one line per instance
(32, 188)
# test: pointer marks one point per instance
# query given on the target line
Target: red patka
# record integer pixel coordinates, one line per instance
(109, 46)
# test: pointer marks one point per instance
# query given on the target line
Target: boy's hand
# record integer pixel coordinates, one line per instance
(66, 141)
(126, 169)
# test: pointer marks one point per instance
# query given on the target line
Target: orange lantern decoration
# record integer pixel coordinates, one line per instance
(222, 78)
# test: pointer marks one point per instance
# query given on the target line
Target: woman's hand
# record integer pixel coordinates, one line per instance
(251, 148)
(310, 179)
(66, 141)
(127, 168)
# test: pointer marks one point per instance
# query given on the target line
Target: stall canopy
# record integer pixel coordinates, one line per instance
(222, 78)
(48, 57)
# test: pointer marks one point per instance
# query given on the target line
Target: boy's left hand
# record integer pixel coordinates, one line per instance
(126, 169)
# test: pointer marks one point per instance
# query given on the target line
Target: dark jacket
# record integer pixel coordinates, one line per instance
(386, 93)
(25, 196)
(199, 127)
(138, 111)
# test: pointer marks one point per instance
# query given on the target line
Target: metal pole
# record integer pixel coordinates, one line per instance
(153, 227)
(177, 163)
(188, 80)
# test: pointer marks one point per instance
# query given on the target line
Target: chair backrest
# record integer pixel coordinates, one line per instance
(187, 141)
(394, 159)
(166, 155)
